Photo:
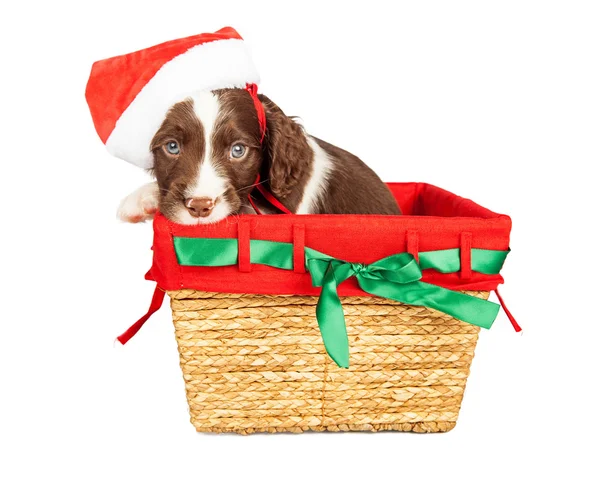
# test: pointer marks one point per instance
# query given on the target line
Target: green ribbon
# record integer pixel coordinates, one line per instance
(396, 277)
(224, 252)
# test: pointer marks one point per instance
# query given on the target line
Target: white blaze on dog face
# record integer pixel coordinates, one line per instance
(208, 183)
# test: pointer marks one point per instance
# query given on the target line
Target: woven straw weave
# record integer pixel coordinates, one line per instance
(255, 363)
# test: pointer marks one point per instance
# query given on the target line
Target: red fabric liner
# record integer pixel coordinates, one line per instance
(438, 218)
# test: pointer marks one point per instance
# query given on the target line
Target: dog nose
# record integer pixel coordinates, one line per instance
(200, 207)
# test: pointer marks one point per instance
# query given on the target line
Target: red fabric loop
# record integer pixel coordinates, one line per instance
(466, 241)
(412, 243)
(244, 246)
(298, 234)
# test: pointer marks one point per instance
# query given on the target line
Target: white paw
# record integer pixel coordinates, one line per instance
(139, 206)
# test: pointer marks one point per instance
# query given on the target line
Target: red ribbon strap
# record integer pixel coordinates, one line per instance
(511, 318)
(157, 299)
(268, 196)
(252, 88)
(271, 198)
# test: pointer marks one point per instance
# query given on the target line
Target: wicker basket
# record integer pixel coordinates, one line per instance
(256, 363)
(253, 350)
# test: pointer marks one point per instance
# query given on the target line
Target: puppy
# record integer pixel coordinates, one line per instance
(208, 155)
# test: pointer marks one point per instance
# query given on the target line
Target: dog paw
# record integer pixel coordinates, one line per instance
(139, 206)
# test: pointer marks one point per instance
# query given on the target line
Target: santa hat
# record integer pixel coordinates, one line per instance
(129, 95)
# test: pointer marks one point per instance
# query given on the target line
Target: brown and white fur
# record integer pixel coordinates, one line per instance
(204, 183)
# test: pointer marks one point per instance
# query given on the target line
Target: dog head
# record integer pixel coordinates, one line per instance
(208, 154)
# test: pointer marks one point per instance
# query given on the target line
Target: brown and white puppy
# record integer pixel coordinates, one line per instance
(208, 153)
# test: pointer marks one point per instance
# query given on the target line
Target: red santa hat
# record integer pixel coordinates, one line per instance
(129, 95)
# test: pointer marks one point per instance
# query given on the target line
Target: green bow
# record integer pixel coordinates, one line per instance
(396, 277)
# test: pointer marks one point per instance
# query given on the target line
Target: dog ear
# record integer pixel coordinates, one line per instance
(287, 148)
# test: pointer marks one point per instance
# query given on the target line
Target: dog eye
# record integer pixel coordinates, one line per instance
(238, 150)
(172, 148)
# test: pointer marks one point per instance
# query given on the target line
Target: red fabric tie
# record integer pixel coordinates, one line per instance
(511, 318)
(252, 88)
(155, 305)
(269, 197)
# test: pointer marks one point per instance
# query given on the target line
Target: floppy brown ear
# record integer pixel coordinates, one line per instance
(287, 148)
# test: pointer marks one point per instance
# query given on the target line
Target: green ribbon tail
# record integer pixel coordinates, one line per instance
(469, 309)
(330, 317)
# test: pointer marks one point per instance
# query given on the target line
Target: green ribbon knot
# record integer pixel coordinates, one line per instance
(396, 277)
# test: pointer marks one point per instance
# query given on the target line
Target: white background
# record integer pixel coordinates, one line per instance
(495, 101)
